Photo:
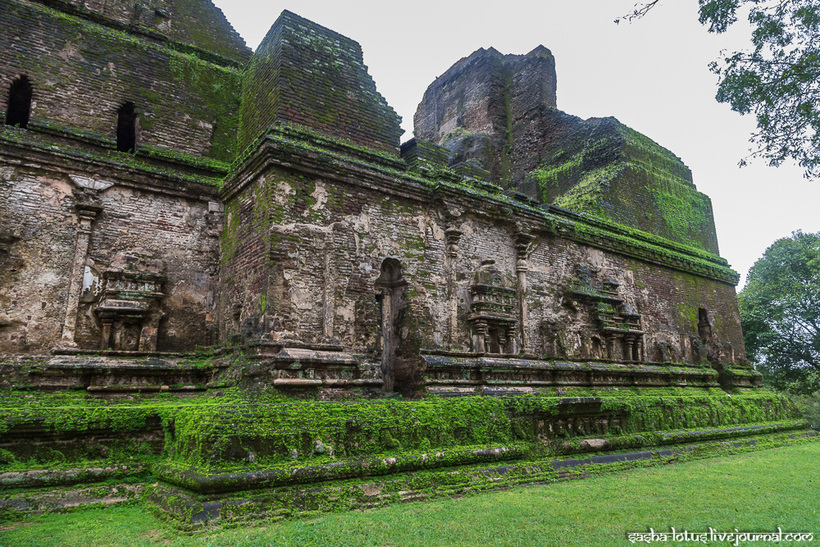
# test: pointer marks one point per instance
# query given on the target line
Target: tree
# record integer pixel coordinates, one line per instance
(778, 81)
(780, 313)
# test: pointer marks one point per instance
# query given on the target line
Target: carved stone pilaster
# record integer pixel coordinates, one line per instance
(481, 332)
(328, 289)
(86, 213)
(523, 248)
(453, 236)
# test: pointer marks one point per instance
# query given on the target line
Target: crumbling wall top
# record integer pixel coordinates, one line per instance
(198, 23)
(497, 114)
(307, 75)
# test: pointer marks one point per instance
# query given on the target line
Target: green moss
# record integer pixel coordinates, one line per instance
(203, 90)
(306, 74)
(686, 213)
(688, 315)
(585, 196)
(293, 142)
(617, 174)
(153, 161)
(550, 176)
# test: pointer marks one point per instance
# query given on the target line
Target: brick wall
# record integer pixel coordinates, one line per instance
(38, 210)
(317, 231)
(82, 73)
(305, 74)
(195, 22)
(37, 207)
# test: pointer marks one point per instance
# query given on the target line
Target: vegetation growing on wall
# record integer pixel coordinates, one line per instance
(165, 84)
(233, 426)
(611, 171)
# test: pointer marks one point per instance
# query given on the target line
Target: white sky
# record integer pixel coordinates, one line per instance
(652, 75)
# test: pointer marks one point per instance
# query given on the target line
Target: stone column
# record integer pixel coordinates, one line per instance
(86, 213)
(522, 248)
(629, 341)
(511, 332)
(387, 337)
(481, 336)
(453, 237)
(106, 332)
(328, 290)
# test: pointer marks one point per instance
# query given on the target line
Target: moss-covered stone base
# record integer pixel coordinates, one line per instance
(234, 454)
(189, 510)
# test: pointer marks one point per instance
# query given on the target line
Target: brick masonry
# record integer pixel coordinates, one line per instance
(267, 206)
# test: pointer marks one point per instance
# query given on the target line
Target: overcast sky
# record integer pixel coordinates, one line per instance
(651, 74)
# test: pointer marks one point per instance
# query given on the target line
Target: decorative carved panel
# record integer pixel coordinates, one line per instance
(493, 314)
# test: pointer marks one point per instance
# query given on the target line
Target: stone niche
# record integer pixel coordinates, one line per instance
(130, 305)
(492, 318)
(619, 334)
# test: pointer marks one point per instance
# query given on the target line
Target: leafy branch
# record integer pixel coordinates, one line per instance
(777, 81)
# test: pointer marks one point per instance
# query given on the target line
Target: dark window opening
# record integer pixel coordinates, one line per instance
(127, 128)
(390, 273)
(19, 105)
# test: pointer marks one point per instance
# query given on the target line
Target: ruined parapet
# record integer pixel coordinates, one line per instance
(307, 75)
(94, 87)
(421, 155)
(197, 23)
(498, 112)
(602, 167)
(478, 109)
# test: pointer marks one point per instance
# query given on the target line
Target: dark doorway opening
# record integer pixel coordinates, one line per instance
(397, 369)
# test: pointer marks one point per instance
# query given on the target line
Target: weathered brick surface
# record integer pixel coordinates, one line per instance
(330, 231)
(498, 112)
(82, 73)
(37, 206)
(194, 22)
(38, 211)
(305, 74)
(491, 94)
(336, 263)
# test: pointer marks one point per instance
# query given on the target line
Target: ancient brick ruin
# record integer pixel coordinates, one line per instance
(181, 215)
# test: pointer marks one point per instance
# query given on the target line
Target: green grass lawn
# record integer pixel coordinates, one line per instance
(752, 492)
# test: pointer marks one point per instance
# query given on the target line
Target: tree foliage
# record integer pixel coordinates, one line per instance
(778, 80)
(780, 313)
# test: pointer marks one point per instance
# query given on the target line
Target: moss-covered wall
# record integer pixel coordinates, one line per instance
(307, 75)
(196, 23)
(667, 300)
(83, 72)
(498, 113)
(281, 433)
(302, 253)
(601, 167)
